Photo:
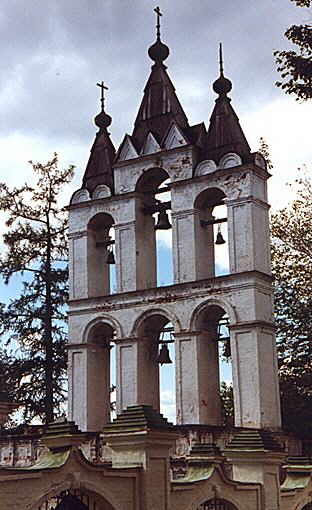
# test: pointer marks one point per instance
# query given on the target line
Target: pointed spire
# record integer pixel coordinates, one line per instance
(160, 105)
(220, 59)
(225, 133)
(99, 168)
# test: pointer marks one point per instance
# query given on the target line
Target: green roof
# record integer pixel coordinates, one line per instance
(196, 474)
(48, 460)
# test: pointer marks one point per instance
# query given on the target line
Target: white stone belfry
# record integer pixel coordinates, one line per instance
(133, 317)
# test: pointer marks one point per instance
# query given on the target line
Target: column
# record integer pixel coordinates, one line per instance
(249, 235)
(125, 257)
(136, 252)
(197, 378)
(255, 380)
(193, 246)
(89, 386)
(137, 373)
(78, 268)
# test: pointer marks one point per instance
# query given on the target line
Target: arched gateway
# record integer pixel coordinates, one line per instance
(74, 499)
(216, 504)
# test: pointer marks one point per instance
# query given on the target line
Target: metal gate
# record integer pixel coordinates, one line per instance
(70, 500)
(217, 504)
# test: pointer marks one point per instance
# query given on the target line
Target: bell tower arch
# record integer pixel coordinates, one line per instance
(204, 169)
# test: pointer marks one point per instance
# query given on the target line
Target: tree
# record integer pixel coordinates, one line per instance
(296, 66)
(34, 322)
(292, 270)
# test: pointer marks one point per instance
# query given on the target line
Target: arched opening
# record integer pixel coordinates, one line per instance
(215, 367)
(102, 390)
(308, 506)
(157, 365)
(75, 499)
(212, 253)
(101, 256)
(225, 370)
(216, 504)
(154, 187)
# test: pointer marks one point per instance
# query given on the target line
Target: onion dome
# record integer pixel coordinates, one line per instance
(102, 120)
(158, 52)
(222, 86)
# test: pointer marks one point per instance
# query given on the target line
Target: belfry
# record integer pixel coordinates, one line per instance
(199, 171)
(208, 192)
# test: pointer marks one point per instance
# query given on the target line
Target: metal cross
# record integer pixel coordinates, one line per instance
(102, 87)
(157, 10)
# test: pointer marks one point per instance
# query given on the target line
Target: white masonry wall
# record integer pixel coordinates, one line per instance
(245, 296)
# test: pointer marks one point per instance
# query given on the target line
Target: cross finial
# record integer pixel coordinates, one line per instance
(158, 12)
(221, 59)
(102, 87)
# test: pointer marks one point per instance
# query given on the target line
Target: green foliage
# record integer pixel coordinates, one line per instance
(295, 66)
(264, 150)
(292, 270)
(11, 375)
(34, 322)
(227, 399)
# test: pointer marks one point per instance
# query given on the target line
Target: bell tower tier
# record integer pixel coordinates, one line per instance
(166, 165)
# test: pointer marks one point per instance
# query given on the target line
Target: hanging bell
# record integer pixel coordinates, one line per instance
(110, 258)
(163, 222)
(227, 348)
(163, 357)
(220, 239)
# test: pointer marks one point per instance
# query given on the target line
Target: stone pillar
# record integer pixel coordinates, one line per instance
(141, 438)
(78, 265)
(256, 458)
(193, 246)
(89, 386)
(136, 252)
(146, 276)
(137, 373)
(197, 378)
(125, 257)
(249, 235)
(255, 381)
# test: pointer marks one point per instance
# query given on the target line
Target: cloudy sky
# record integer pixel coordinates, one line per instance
(54, 52)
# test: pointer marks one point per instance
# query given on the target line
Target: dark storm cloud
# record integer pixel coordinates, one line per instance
(54, 52)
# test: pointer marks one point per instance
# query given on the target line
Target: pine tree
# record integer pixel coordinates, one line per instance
(34, 322)
(295, 66)
(292, 270)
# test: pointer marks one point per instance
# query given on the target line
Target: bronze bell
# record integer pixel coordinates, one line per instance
(227, 347)
(110, 258)
(163, 222)
(220, 239)
(163, 357)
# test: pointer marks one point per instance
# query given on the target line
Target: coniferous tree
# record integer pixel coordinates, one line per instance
(295, 66)
(34, 322)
